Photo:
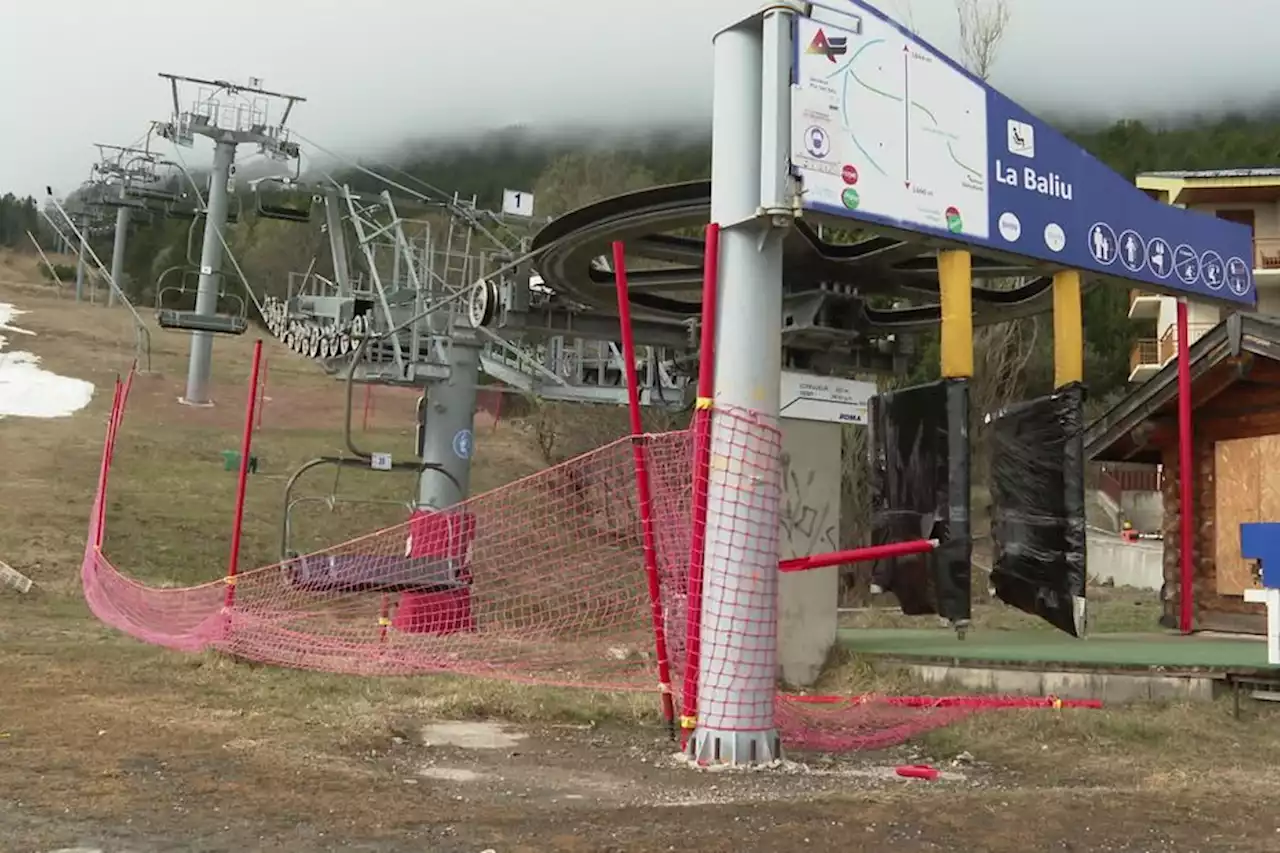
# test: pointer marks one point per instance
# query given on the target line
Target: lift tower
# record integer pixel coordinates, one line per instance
(230, 114)
(117, 169)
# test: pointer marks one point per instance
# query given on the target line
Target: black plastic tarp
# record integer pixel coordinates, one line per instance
(919, 445)
(1037, 507)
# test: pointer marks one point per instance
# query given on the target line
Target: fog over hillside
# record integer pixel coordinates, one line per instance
(382, 72)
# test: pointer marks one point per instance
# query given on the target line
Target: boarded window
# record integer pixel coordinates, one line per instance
(1246, 489)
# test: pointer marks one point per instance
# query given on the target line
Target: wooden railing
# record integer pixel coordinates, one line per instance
(1133, 478)
(1115, 478)
(1169, 340)
(1266, 253)
(1145, 351)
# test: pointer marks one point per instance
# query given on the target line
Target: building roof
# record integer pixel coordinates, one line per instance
(1214, 186)
(1192, 174)
(1115, 436)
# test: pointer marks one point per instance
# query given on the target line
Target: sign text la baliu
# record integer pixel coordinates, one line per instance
(1050, 184)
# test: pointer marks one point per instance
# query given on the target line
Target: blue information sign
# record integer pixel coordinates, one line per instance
(462, 444)
(888, 130)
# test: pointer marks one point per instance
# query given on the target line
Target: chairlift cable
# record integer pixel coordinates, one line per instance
(469, 216)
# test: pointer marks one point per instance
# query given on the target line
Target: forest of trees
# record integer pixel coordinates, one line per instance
(18, 216)
(576, 166)
(566, 172)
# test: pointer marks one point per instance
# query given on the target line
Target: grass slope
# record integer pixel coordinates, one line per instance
(81, 702)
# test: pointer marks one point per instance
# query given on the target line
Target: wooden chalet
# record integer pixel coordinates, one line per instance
(1235, 369)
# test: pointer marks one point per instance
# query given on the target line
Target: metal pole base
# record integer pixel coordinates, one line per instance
(714, 747)
(205, 405)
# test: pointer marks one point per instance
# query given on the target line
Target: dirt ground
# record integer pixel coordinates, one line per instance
(107, 744)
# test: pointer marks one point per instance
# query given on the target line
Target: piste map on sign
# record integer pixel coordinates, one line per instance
(887, 130)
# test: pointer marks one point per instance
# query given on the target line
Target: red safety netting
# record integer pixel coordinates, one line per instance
(539, 581)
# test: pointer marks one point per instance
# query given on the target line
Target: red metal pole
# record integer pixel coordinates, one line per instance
(701, 468)
(1186, 522)
(113, 424)
(108, 447)
(246, 445)
(118, 413)
(262, 394)
(128, 386)
(978, 702)
(642, 484)
(858, 555)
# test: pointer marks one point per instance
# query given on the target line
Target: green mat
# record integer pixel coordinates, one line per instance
(1040, 647)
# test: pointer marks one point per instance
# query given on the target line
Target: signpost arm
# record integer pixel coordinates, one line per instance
(955, 284)
(1068, 330)
(951, 566)
(1068, 370)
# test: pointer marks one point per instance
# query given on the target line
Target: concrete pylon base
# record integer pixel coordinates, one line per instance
(720, 748)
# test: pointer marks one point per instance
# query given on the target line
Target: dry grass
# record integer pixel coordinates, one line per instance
(1149, 747)
(170, 514)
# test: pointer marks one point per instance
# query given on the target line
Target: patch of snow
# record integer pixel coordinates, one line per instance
(27, 390)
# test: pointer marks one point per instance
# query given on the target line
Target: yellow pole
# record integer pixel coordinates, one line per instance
(955, 284)
(1068, 329)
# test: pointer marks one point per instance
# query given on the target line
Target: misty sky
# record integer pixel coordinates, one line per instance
(75, 72)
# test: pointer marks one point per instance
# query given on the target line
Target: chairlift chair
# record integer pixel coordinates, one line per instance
(287, 203)
(156, 193)
(130, 201)
(181, 209)
(169, 316)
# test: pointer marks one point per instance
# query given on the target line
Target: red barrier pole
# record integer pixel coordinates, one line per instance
(701, 473)
(109, 446)
(128, 386)
(642, 484)
(113, 423)
(118, 403)
(858, 555)
(101, 507)
(1186, 519)
(246, 444)
(117, 414)
(262, 394)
